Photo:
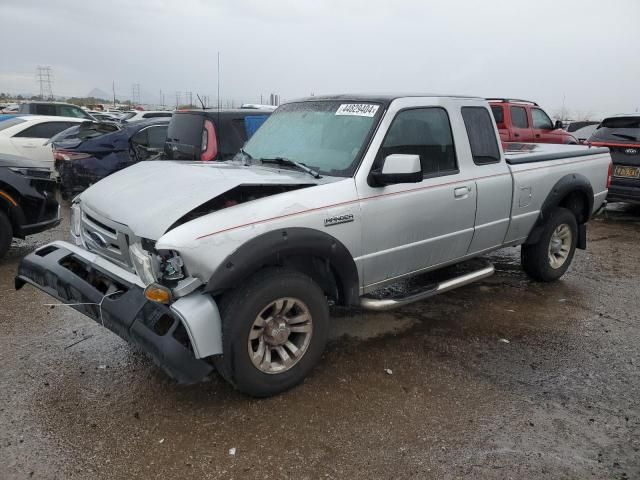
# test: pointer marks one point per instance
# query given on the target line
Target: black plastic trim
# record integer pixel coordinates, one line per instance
(129, 314)
(567, 185)
(274, 247)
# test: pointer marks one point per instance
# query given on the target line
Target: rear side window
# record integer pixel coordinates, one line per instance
(482, 136)
(519, 117)
(12, 122)
(67, 111)
(621, 122)
(425, 132)
(44, 110)
(44, 130)
(498, 114)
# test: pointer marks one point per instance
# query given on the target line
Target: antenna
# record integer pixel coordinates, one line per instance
(201, 102)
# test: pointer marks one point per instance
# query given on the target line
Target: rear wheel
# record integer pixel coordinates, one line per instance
(549, 258)
(6, 233)
(274, 329)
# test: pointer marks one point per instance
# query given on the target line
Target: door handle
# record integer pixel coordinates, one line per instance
(516, 134)
(461, 192)
(537, 135)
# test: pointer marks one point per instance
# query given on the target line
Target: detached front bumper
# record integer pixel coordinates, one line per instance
(175, 337)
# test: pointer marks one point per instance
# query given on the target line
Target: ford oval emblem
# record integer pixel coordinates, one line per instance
(631, 151)
(98, 239)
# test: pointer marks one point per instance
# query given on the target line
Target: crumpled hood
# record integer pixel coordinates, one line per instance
(151, 196)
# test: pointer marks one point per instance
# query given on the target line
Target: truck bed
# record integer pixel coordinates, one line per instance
(518, 153)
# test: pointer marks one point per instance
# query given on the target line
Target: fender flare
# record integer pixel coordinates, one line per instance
(274, 247)
(570, 183)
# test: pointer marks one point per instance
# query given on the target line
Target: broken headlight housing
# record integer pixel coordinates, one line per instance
(164, 266)
(171, 266)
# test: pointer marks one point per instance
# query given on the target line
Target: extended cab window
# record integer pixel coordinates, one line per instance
(44, 130)
(482, 136)
(519, 117)
(541, 120)
(425, 132)
(49, 110)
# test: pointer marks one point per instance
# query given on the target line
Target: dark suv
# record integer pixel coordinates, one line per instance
(54, 109)
(211, 134)
(622, 135)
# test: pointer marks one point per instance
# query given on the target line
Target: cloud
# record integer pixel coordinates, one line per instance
(543, 50)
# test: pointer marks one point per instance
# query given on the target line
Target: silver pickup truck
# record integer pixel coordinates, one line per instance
(233, 265)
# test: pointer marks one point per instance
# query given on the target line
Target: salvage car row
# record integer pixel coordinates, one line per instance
(233, 264)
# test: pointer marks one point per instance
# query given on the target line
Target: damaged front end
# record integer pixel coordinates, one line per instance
(177, 337)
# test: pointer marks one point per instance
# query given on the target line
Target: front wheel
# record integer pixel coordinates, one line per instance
(274, 329)
(549, 258)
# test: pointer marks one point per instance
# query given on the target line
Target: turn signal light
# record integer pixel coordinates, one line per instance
(157, 293)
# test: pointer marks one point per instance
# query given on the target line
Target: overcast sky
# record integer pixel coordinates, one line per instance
(585, 52)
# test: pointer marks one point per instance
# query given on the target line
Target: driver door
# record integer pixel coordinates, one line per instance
(413, 226)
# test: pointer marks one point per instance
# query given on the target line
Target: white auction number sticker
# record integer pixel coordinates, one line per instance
(357, 109)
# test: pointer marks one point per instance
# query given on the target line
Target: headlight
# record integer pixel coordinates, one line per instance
(142, 263)
(76, 217)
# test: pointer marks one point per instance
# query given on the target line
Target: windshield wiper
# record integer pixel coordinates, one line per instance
(287, 161)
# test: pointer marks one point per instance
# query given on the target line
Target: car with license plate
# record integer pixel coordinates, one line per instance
(232, 265)
(621, 134)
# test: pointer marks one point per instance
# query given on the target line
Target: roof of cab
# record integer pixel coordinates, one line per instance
(379, 98)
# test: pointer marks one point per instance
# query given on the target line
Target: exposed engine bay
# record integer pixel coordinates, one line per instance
(236, 196)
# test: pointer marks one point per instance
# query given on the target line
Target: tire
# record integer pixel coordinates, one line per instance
(267, 307)
(6, 234)
(549, 258)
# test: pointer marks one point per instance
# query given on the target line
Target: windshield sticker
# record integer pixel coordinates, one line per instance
(358, 109)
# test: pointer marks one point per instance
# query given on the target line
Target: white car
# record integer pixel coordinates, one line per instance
(27, 135)
(144, 115)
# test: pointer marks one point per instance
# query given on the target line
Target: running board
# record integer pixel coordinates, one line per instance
(444, 286)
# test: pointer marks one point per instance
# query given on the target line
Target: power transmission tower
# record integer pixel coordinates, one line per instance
(44, 76)
(135, 94)
(188, 97)
(177, 100)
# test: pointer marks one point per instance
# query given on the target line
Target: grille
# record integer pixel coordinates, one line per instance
(106, 238)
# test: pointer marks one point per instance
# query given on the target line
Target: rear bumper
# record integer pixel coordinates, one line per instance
(113, 297)
(624, 193)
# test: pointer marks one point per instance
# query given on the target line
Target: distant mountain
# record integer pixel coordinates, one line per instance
(97, 93)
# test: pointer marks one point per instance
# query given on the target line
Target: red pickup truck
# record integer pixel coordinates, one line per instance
(524, 121)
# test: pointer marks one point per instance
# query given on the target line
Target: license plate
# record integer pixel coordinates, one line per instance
(629, 172)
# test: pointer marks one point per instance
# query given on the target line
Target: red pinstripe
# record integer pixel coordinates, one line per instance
(381, 196)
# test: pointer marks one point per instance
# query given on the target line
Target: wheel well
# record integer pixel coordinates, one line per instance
(578, 204)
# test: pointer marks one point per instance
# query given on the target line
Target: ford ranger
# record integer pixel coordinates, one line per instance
(233, 265)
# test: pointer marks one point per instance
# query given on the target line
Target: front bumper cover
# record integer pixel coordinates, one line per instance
(60, 270)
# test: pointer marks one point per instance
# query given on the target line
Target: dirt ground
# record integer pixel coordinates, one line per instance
(502, 379)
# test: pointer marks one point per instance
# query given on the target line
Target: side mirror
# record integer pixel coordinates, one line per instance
(397, 168)
(558, 124)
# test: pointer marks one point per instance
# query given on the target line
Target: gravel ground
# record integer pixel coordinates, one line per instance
(501, 379)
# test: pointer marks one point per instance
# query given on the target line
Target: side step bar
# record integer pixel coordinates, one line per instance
(444, 286)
